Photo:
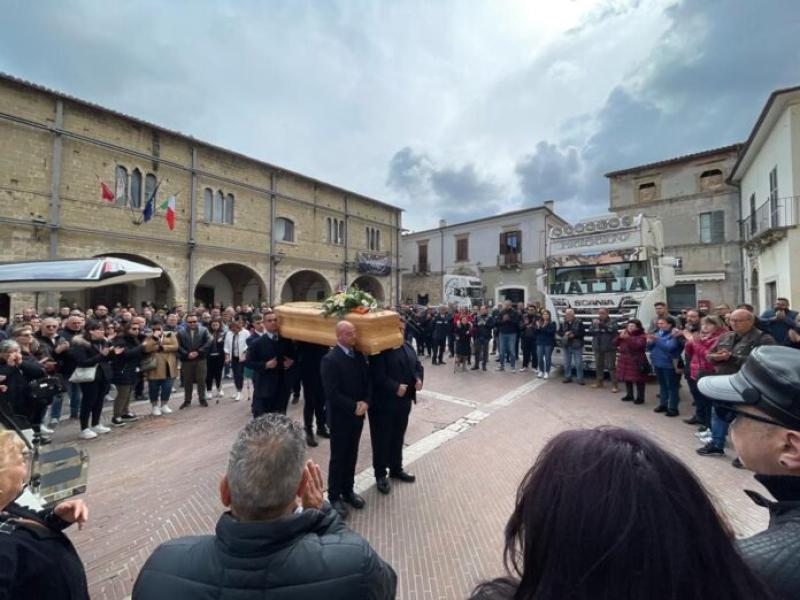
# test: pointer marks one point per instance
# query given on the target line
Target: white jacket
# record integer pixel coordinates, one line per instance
(242, 342)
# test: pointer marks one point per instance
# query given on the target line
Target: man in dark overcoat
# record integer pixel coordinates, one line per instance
(397, 375)
(346, 384)
(271, 358)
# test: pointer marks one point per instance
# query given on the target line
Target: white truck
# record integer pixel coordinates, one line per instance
(608, 262)
(462, 290)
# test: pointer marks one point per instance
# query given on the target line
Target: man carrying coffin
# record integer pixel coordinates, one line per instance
(346, 384)
(396, 376)
(271, 358)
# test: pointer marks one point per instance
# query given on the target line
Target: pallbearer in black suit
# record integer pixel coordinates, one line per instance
(271, 358)
(346, 383)
(396, 376)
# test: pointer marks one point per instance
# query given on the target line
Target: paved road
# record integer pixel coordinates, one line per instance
(471, 439)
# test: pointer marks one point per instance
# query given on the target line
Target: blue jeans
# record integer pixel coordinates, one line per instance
(74, 393)
(154, 386)
(508, 347)
(668, 385)
(719, 430)
(573, 357)
(544, 356)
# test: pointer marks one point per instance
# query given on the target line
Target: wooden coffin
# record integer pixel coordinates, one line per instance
(375, 331)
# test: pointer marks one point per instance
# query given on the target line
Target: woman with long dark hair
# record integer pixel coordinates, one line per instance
(216, 357)
(126, 370)
(606, 514)
(90, 350)
(545, 342)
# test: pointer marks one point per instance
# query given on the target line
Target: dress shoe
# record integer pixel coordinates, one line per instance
(354, 500)
(737, 463)
(383, 485)
(672, 412)
(341, 508)
(661, 409)
(311, 441)
(323, 432)
(627, 398)
(693, 420)
(566, 380)
(709, 450)
(475, 368)
(204, 403)
(403, 476)
(184, 405)
(639, 401)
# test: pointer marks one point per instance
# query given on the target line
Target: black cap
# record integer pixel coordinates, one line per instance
(769, 380)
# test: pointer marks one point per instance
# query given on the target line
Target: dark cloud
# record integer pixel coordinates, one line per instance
(549, 173)
(451, 193)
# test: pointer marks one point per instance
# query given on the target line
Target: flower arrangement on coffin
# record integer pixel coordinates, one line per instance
(353, 300)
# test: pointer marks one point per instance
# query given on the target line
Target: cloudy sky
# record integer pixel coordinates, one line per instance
(451, 109)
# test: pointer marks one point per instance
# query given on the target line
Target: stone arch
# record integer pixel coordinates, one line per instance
(230, 284)
(160, 291)
(370, 285)
(305, 286)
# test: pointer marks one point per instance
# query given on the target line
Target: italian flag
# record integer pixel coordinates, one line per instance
(169, 206)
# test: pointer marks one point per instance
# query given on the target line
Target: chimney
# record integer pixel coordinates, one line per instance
(442, 223)
(549, 205)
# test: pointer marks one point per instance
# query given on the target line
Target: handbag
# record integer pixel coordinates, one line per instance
(83, 374)
(43, 390)
(644, 368)
(148, 363)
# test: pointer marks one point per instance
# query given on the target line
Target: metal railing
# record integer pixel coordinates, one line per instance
(772, 214)
(509, 259)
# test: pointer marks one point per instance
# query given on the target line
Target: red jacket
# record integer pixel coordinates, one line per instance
(696, 351)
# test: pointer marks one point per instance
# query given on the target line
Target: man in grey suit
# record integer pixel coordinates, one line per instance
(193, 344)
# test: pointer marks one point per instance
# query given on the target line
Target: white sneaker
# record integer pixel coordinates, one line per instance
(220, 394)
(87, 434)
(165, 409)
(539, 374)
(522, 369)
(53, 422)
(100, 428)
(546, 376)
(701, 434)
(156, 411)
(45, 429)
(237, 397)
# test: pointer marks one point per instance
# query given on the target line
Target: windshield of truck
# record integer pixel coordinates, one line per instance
(599, 279)
(474, 292)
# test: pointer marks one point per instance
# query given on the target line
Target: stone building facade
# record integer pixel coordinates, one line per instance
(700, 214)
(503, 251)
(245, 230)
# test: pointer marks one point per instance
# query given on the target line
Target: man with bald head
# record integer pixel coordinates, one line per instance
(346, 384)
(728, 355)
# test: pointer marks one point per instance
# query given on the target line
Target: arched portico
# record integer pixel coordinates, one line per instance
(230, 284)
(305, 286)
(371, 285)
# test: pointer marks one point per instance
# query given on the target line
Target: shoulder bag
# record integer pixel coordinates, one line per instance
(83, 374)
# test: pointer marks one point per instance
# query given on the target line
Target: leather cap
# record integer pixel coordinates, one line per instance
(769, 380)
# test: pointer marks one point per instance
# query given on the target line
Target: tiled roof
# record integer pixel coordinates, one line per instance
(677, 160)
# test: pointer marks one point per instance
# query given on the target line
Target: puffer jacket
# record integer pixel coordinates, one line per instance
(696, 352)
(305, 556)
(774, 554)
(663, 350)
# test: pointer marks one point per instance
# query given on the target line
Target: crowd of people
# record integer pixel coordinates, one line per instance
(279, 533)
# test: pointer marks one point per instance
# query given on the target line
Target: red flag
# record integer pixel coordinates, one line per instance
(105, 192)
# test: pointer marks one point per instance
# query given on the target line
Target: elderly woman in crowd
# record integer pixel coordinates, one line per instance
(632, 364)
(38, 560)
(696, 348)
(25, 368)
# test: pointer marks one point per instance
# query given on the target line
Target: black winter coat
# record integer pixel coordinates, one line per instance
(86, 354)
(126, 365)
(306, 556)
(774, 554)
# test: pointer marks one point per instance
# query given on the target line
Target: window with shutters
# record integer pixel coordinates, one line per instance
(121, 188)
(462, 249)
(510, 247)
(712, 227)
(136, 189)
(422, 258)
(773, 198)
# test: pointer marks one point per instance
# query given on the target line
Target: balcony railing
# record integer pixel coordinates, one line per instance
(509, 259)
(771, 215)
(422, 267)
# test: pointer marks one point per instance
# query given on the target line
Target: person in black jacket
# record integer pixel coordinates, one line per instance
(346, 382)
(271, 358)
(762, 404)
(279, 539)
(310, 357)
(38, 560)
(482, 326)
(126, 371)
(92, 350)
(26, 370)
(571, 331)
(442, 326)
(397, 376)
